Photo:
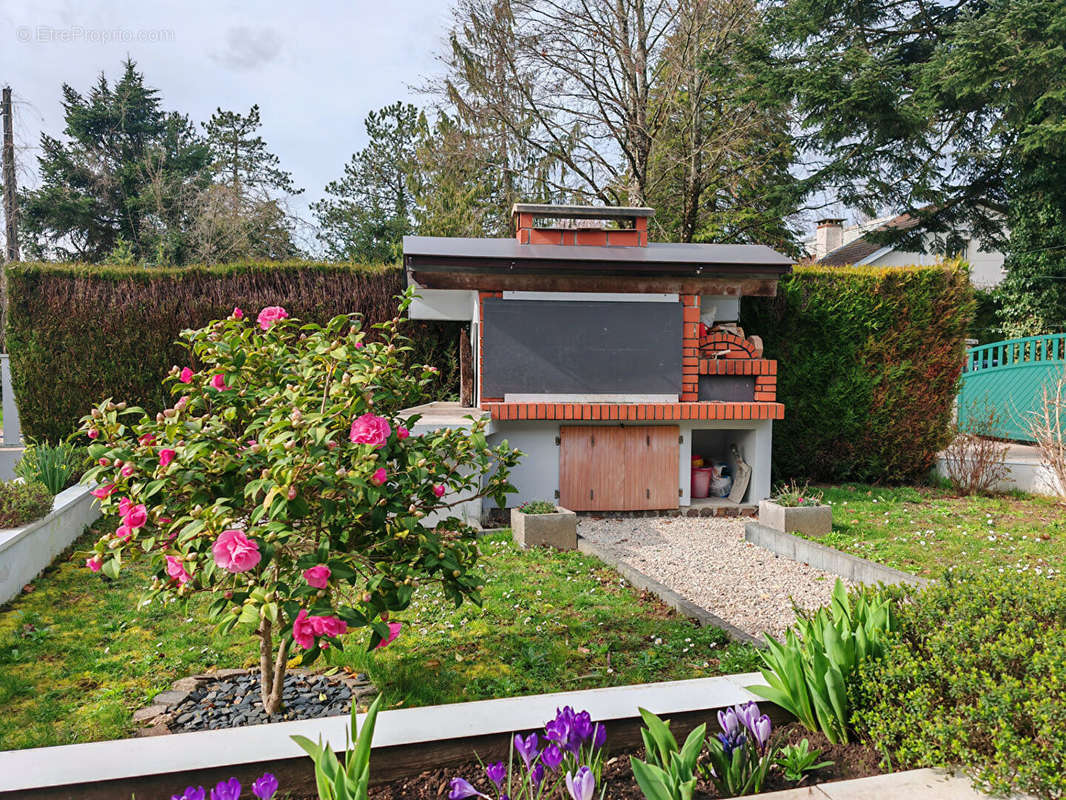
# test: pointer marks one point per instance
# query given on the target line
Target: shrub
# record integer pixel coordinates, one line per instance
(80, 333)
(976, 677)
(22, 502)
(282, 481)
(537, 507)
(56, 466)
(795, 495)
(976, 463)
(868, 365)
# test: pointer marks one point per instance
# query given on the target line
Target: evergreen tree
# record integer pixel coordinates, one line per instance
(367, 212)
(124, 170)
(241, 214)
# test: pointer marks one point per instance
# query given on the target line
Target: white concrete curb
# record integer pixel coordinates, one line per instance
(22, 770)
(26, 551)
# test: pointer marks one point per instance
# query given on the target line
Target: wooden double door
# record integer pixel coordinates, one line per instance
(614, 468)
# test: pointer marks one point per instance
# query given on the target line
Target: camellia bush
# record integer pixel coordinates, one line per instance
(283, 481)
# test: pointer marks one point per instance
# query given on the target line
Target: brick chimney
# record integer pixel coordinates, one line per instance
(828, 236)
(581, 225)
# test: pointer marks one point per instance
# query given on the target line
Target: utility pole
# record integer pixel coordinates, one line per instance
(11, 246)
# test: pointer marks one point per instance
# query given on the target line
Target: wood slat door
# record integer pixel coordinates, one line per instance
(591, 473)
(610, 468)
(651, 454)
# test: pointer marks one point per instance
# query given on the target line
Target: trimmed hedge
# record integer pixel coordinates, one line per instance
(869, 360)
(80, 333)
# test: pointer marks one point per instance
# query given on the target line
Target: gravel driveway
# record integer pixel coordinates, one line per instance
(707, 561)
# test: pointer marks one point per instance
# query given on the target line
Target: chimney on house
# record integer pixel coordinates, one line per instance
(828, 236)
(581, 225)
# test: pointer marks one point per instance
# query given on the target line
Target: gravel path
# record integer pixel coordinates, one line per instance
(707, 560)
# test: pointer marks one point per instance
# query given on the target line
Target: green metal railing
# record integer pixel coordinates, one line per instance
(1008, 378)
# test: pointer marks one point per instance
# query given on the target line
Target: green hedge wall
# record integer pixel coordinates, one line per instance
(868, 366)
(80, 333)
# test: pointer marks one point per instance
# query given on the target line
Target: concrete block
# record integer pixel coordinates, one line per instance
(558, 530)
(808, 520)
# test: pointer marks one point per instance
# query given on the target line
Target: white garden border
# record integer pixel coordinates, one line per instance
(25, 552)
(102, 762)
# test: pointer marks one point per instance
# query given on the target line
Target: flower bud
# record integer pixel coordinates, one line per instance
(292, 492)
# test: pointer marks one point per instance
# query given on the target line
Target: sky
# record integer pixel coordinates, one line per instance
(315, 69)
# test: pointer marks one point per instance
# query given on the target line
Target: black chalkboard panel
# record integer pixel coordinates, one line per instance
(580, 347)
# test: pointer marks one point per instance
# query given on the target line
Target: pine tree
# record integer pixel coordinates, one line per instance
(125, 169)
(367, 213)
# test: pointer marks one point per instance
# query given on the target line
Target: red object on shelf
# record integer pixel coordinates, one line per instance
(701, 481)
(703, 329)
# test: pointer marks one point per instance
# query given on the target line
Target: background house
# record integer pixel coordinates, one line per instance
(837, 244)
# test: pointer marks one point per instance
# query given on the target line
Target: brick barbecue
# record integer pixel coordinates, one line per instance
(610, 360)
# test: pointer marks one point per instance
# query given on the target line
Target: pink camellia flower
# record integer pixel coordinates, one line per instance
(186, 375)
(176, 570)
(219, 382)
(237, 313)
(303, 633)
(147, 440)
(94, 564)
(394, 631)
(358, 345)
(124, 506)
(93, 433)
(123, 532)
(235, 552)
(104, 462)
(166, 455)
(135, 516)
(370, 429)
(328, 626)
(269, 315)
(379, 476)
(127, 470)
(402, 432)
(317, 576)
(438, 490)
(103, 492)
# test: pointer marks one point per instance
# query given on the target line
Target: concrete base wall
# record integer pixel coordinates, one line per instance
(1026, 472)
(9, 457)
(25, 552)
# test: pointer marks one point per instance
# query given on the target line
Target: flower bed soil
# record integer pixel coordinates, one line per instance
(850, 761)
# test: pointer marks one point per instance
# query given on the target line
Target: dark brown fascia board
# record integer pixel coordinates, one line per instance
(714, 284)
(580, 212)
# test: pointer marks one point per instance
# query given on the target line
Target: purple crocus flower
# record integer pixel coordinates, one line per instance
(600, 736)
(552, 757)
(731, 743)
(227, 790)
(560, 729)
(191, 793)
(581, 729)
(762, 730)
(537, 774)
(729, 721)
(581, 786)
(265, 787)
(748, 714)
(497, 773)
(461, 788)
(527, 748)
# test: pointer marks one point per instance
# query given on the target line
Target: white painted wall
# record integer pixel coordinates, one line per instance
(588, 297)
(26, 551)
(443, 304)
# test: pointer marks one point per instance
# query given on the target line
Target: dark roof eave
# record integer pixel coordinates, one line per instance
(606, 267)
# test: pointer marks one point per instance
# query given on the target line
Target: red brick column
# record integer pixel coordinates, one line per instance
(690, 343)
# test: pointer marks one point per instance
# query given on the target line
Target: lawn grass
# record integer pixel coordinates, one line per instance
(78, 655)
(925, 530)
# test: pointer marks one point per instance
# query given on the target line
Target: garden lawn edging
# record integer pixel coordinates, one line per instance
(25, 552)
(405, 741)
(671, 598)
(850, 568)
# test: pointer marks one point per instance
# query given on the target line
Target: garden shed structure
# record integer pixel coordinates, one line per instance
(609, 360)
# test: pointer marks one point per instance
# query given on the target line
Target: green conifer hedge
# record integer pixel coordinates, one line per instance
(868, 366)
(79, 333)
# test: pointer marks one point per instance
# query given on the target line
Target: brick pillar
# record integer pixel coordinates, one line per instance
(523, 227)
(482, 296)
(690, 344)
